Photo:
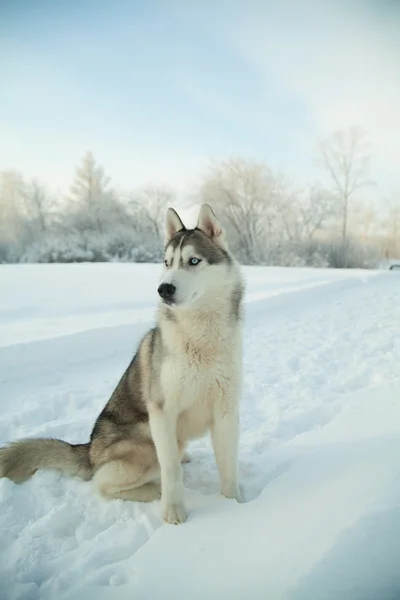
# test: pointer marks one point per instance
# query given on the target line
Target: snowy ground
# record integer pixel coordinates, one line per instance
(319, 451)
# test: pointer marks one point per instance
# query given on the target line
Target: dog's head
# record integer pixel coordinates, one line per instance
(197, 263)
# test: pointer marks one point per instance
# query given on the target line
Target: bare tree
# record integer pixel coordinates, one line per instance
(315, 208)
(244, 193)
(345, 158)
(150, 204)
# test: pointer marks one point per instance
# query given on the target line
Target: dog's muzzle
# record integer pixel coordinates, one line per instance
(167, 292)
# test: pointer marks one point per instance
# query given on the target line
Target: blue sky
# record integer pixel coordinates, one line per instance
(156, 88)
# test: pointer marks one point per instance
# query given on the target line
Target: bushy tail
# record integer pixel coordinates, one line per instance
(20, 460)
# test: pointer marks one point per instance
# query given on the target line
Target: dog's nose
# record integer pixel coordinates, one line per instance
(167, 291)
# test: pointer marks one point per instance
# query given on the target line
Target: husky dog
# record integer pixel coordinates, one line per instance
(184, 380)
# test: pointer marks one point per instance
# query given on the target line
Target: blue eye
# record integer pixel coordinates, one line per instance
(194, 261)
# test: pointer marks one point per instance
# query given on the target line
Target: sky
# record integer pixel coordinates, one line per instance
(156, 88)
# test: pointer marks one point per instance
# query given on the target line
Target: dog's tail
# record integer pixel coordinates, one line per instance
(20, 460)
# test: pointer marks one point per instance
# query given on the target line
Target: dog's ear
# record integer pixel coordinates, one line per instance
(173, 224)
(209, 224)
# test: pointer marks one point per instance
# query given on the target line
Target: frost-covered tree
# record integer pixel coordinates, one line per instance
(92, 201)
(39, 207)
(345, 158)
(244, 194)
(11, 205)
(314, 208)
(391, 226)
(90, 181)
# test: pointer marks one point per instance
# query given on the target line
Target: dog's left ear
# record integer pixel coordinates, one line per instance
(173, 224)
(210, 225)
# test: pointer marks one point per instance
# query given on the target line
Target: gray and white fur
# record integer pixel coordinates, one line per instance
(184, 380)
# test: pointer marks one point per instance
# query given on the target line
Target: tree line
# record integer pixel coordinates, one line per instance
(269, 219)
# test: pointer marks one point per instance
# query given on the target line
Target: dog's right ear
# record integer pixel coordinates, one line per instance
(173, 224)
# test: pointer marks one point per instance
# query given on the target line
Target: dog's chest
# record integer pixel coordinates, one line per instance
(197, 376)
(199, 391)
(198, 358)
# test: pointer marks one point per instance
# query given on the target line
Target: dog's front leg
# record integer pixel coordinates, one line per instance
(163, 430)
(225, 438)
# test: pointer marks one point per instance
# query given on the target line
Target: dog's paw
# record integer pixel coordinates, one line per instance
(174, 513)
(233, 493)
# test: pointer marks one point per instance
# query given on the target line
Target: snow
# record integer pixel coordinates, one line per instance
(319, 447)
